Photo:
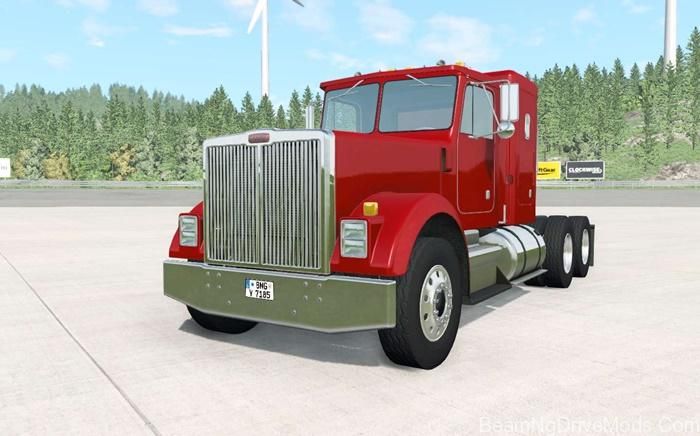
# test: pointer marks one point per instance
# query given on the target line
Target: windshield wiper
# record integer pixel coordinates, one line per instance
(428, 84)
(348, 91)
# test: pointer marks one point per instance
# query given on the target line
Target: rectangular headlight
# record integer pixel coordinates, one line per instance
(353, 238)
(188, 231)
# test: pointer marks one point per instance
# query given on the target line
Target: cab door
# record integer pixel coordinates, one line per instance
(476, 160)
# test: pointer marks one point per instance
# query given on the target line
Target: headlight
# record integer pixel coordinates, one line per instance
(188, 231)
(353, 238)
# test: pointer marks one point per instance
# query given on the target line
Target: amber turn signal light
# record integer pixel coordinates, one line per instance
(370, 208)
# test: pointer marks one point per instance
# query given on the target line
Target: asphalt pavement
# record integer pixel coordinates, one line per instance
(89, 344)
(89, 197)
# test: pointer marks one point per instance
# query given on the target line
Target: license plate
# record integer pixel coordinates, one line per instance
(259, 289)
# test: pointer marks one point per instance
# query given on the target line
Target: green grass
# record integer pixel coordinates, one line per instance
(624, 163)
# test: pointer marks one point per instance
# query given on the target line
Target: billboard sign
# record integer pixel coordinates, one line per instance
(549, 170)
(5, 168)
(585, 169)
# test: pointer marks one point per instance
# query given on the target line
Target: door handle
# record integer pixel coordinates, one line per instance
(443, 161)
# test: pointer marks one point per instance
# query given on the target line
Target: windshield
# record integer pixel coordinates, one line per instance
(351, 109)
(418, 104)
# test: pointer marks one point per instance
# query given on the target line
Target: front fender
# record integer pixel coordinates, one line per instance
(392, 233)
(190, 253)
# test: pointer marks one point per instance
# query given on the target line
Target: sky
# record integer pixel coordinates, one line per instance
(190, 47)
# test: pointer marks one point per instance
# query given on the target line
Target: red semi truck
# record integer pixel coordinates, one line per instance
(416, 196)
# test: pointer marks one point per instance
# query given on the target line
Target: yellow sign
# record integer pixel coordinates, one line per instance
(548, 170)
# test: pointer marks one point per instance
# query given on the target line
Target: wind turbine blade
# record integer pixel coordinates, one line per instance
(257, 13)
(299, 3)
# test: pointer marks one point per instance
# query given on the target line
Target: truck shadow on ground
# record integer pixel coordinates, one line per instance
(360, 348)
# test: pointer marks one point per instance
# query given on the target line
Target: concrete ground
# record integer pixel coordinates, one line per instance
(89, 345)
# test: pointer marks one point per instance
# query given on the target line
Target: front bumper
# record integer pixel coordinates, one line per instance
(329, 304)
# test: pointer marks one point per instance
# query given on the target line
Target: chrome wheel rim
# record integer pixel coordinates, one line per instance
(568, 253)
(435, 306)
(585, 246)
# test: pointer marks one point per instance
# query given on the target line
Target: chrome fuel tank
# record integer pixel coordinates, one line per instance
(523, 250)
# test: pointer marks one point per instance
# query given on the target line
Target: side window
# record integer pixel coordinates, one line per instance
(477, 116)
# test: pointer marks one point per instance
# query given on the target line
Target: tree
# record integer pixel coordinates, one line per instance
(219, 114)
(616, 126)
(669, 96)
(296, 113)
(634, 83)
(307, 100)
(67, 136)
(318, 110)
(692, 126)
(281, 118)
(249, 118)
(550, 110)
(266, 114)
(647, 100)
(122, 163)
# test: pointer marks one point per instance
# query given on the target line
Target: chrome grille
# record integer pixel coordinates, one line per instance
(231, 212)
(264, 205)
(291, 176)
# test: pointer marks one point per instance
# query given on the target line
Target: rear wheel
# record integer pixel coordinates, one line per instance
(220, 323)
(558, 237)
(540, 224)
(428, 307)
(580, 227)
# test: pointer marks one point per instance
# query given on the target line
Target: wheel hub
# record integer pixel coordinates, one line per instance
(568, 253)
(435, 303)
(585, 246)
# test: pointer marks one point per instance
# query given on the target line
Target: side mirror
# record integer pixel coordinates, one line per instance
(510, 102)
(506, 129)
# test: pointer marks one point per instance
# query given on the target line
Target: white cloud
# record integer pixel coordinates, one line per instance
(242, 8)
(213, 31)
(447, 40)
(97, 32)
(585, 15)
(314, 16)
(97, 5)
(160, 8)
(535, 39)
(337, 60)
(385, 23)
(7, 55)
(636, 7)
(57, 61)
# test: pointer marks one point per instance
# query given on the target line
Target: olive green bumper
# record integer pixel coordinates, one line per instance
(328, 304)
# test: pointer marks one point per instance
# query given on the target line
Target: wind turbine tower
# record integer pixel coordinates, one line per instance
(260, 13)
(671, 32)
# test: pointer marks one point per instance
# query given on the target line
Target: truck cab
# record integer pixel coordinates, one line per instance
(416, 196)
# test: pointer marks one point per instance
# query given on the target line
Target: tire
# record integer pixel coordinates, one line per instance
(220, 323)
(412, 342)
(580, 227)
(558, 237)
(539, 225)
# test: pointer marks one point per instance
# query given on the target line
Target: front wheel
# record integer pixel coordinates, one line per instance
(428, 307)
(220, 323)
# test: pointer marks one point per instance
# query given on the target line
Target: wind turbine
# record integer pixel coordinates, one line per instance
(261, 12)
(671, 32)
